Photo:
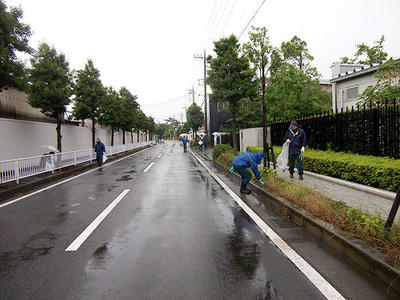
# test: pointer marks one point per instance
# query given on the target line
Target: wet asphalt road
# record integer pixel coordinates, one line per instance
(176, 235)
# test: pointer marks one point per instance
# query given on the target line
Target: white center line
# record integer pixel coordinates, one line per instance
(159, 155)
(148, 167)
(88, 231)
(320, 283)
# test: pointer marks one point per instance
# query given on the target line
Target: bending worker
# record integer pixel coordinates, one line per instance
(244, 161)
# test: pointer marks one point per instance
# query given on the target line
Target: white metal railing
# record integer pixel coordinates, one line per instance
(16, 169)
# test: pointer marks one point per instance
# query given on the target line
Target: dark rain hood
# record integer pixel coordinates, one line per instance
(258, 157)
(294, 123)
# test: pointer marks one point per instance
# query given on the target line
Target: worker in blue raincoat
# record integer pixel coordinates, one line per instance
(99, 149)
(184, 142)
(244, 161)
(297, 139)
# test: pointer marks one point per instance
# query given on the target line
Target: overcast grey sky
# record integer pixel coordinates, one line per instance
(148, 46)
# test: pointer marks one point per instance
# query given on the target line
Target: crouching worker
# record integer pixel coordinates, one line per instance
(244, 161)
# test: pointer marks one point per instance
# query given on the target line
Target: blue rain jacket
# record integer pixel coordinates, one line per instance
(184, 141)
(248, 159)
(297, 138)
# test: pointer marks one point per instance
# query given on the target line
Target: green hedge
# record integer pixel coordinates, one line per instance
(380, 172)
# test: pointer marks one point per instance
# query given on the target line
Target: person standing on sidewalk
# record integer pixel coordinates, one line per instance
(297, 139)
(99, 149)
(244, 161)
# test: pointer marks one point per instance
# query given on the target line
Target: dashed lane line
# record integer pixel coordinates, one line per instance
(148, 167)
(74, 246)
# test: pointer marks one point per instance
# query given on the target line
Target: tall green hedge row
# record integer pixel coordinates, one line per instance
(380, 172)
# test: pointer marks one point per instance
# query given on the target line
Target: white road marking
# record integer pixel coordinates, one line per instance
(88, 231)
(64, 181)
(159, 155)
(148, 167)
(320, 283)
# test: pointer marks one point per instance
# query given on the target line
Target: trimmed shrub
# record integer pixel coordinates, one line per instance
(218, 149)
(380, 172)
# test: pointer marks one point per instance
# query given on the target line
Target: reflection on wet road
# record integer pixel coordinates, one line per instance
(176, 235)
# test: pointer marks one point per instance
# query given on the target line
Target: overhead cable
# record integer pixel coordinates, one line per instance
(258, 9)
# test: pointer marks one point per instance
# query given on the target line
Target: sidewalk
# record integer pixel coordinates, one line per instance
(375, 201)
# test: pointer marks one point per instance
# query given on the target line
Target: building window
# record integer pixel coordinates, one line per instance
(222, 106)
(352, 93)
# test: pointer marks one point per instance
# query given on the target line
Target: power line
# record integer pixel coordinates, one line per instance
(208, 24)
(219, 20)
(252, 18)
(167, 101)
(227, 19)
(209, 36)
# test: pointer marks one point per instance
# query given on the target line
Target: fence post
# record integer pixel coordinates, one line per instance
(393, 210)
(75, 158)
(16, 171)
(375, 131)
(52, 163)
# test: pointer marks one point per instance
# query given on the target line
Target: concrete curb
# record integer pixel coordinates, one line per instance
(360, 187)
(37, 184)
(365, 256)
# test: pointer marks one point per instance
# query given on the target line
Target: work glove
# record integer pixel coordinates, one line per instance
(302, 149)
(232, 169)
(261, 181)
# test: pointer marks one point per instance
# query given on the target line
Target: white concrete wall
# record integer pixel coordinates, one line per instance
(24, 138)
(253, 137)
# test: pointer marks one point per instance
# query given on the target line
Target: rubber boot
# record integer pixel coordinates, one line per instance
(244, 190)
(291, 175)
(300, 176)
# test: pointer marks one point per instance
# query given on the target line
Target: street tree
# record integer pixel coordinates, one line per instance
(13, 39)
(111, 111)
(231, 78)
(368, 54)
(294, 93)
(194, 117)
(89, 91)
(261, 54)
(296, 52)
(50, 85)
(129, 113)
(387, 88)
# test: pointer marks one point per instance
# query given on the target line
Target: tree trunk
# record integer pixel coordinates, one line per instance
(123, 137)
(93, 133)
(264, 112)
(112, 135)
(131, 136)
(235, 147)
(138, 135)
(59, 136)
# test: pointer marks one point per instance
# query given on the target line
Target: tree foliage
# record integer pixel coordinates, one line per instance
(296, 52)
(294, 93)
(50, 84)
(368, 54)
(89, 91)
(111, 111)
(13, 39)
(231, 78)
(194, 117)
(387, 88)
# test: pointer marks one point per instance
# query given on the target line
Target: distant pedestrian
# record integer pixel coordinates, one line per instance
(205, 142)
(244, 161)
(99, 149)
(297, 139)
(184, 142)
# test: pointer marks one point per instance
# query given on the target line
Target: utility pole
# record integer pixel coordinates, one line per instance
(191, 92)
(204, 57)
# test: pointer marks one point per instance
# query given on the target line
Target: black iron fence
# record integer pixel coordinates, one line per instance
(364, 130)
